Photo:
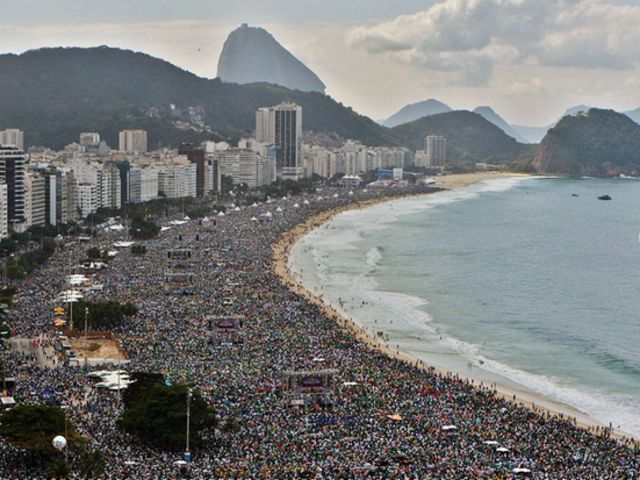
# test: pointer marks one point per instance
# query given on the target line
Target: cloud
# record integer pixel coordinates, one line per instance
(468, 38)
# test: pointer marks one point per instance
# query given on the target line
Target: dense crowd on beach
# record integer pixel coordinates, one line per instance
(387, 418)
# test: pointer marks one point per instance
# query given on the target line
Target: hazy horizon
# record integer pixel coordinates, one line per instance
(528, 61)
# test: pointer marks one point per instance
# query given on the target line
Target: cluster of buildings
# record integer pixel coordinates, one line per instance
(46, 187)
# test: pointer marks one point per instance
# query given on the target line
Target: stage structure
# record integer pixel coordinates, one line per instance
(180, 254)
(226, 329)
(305, 388)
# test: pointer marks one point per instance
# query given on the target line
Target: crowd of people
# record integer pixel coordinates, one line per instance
(385, 418)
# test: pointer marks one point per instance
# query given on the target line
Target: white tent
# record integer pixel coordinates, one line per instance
(278, 209)
(521, 470)
(116, 228)
(254, 219)
(502, 450)
(306, 202)
(123, 244)
(296, 205)
(335, 195)
(221, 214)
(447, 428)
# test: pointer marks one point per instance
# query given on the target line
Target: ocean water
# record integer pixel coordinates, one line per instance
(528, 282)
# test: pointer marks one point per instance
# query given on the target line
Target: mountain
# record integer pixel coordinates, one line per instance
(491, 116)
(536, 134)
(415, 111)
(634, 115)
(56, 93)
(470, 138)
(532, 134)
(573, 111)
(596, 143)
(252, 55)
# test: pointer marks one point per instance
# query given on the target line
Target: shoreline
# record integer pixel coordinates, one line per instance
(522, 396)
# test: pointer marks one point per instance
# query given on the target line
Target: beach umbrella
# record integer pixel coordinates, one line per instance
(284, 198)
(237, 209)
(306, 202)
(254, 204)
(335, 195)
(59, 443)
(187, 218)
(221, 214)
(233, 205)
(350, 194)
(295, 205)
(254, 219)
(319, 198)
(278, 209)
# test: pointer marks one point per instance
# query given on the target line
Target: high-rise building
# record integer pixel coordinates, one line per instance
(135, 185)
(12, 174)
(133, 141)
(89, 139)
(266, 126)
(4, 221)
(197, 156)
(148, 184)
(282, 126)
(246, 166)
(12, 137)
(436, 148)
(60, 196)
(177, 181)
(38, 206)
(109, 186)
(87, 199)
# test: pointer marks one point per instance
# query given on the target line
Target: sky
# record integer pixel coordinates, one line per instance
(528, 59)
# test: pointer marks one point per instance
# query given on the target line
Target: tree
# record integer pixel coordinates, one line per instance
(142, 229)
(33, 427)
(94, 253)
(138, 249)
(91, 464)
(158, 415)
(102, 315)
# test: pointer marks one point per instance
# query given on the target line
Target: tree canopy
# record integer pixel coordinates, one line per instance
(157, 413)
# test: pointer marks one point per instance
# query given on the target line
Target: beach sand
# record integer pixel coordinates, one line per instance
(522, 397)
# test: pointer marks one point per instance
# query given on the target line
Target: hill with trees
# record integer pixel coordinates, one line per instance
(56, 93)
(470, 138)
(595, 143)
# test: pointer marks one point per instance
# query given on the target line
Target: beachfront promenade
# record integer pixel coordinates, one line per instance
(388, 419)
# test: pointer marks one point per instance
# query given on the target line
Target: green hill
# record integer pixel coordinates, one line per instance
(54, 94)
(470, 138)
(596, 143)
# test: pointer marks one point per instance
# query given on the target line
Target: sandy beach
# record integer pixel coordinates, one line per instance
(521, 396)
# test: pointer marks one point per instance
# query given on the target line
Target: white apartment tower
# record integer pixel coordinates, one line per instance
(13, 138)
(4, 221)
(133, 141)
(436, 150)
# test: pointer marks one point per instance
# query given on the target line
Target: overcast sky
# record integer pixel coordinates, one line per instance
(529, 59)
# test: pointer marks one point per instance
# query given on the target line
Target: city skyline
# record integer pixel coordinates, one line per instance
(526, 60)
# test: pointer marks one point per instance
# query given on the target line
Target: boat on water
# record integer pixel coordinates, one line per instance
(604, 197)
